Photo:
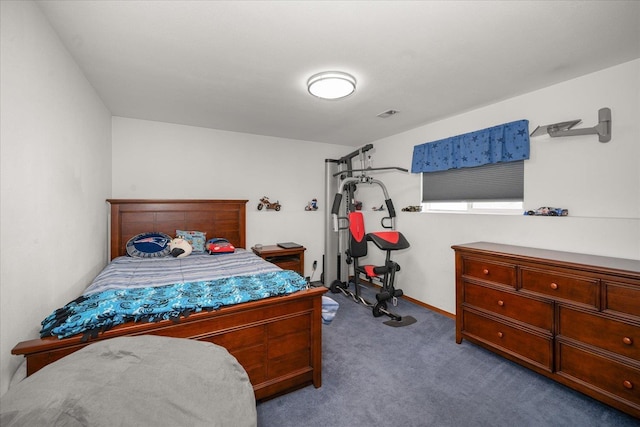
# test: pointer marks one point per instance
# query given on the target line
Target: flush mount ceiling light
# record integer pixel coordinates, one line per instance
(331, 85)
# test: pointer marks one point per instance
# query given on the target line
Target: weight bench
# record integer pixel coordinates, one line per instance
(387, 241)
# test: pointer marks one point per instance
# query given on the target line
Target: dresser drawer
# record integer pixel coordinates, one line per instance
(622, 298)
(528, 346)
(582, 290)
(600, 373)
(524, 309)
(618, 337)
(495, 272)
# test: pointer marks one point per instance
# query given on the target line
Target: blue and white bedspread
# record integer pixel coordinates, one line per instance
(127, 272)
(155, 289)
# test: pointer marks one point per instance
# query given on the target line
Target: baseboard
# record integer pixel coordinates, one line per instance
(430, 307)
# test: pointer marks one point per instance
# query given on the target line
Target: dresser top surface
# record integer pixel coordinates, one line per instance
(577, 259)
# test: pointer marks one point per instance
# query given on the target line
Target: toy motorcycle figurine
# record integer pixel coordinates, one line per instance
(264, 202)
(312, 205)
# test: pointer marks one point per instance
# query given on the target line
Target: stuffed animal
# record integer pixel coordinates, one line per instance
(219, 245)
(179, 248)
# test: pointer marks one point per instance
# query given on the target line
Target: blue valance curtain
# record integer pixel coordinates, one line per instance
(508, 142)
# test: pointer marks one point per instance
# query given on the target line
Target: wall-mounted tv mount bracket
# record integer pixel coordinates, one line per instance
(602, 129)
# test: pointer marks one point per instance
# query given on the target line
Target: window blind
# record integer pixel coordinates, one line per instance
(499, 181)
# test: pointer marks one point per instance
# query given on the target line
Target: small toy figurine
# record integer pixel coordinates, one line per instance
(547, 211)
(312, 205)
(264, 202)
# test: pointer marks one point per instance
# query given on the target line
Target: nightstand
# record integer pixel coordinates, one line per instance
(287, 259)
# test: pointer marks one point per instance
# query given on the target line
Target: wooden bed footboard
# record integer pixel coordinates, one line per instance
(277, 340)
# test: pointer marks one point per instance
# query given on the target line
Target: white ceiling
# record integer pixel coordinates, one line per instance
(242, 65)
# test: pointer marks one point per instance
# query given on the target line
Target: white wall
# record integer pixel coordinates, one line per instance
(162, 160)
(598, 182)
(55, 176)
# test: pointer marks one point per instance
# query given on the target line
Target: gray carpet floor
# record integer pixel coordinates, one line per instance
(373, 374)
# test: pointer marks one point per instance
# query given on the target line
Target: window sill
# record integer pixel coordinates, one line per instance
(518, 213)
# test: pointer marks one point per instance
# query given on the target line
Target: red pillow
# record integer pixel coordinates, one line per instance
(219, 245)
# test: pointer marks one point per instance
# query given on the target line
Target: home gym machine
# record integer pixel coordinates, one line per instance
(346, 240)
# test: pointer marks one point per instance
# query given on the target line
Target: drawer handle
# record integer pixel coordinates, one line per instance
(500, 303)
(627, 384)
(627, 340)
(500, 334)
(485, 271)
(553, 285)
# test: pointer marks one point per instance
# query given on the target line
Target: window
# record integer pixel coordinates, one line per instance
(492, 188)
(474, 171)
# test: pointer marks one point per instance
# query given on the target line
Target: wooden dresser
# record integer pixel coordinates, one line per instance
(572, 317)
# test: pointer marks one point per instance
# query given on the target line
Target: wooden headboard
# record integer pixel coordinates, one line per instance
(217, 218)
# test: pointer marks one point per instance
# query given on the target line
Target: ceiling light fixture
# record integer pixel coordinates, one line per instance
(331, 85)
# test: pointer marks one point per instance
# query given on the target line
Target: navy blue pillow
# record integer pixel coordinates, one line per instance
(149, 245)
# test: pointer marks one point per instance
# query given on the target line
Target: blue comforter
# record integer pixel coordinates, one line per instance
(96, 312)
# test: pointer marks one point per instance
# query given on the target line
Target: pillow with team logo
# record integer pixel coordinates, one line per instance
(149, 245)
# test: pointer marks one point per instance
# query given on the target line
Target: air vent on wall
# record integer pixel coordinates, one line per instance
(388, 113)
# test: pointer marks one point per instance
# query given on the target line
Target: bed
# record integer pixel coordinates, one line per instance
(277, 340)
